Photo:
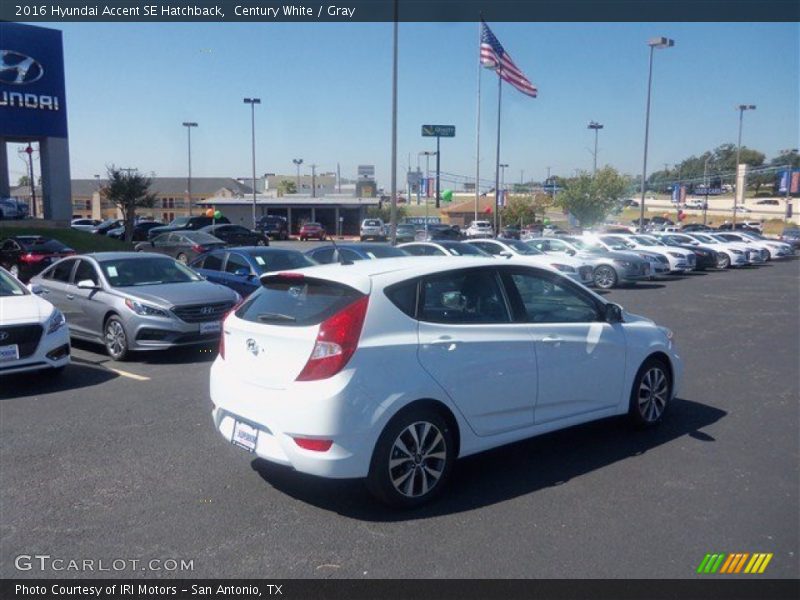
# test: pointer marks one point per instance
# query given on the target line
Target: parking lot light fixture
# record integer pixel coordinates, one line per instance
(252, 102)
(597, 127)
(741, 108)
(660, 43)
(189, 125)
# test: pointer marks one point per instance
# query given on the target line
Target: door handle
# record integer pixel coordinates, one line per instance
(70, 297)
(448, 344)
(552, 339)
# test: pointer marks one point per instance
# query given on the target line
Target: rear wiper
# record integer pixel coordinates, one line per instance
(265, 317)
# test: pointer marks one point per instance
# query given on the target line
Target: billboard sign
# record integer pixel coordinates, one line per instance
(32, 100)
(366, 171)
(438, 131)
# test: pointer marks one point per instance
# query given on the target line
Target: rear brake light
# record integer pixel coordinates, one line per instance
(198, 248)
(222, 333)
(313, 444)
(336, 342)
(32, 258)
(291, 275)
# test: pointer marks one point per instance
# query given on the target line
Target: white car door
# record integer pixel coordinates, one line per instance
(470, 346)
(580, 357)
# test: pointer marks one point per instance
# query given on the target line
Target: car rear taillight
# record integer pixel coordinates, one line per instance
(198, 248)
(222, 333)
(316, 445)
(336, 342)
(31, 258)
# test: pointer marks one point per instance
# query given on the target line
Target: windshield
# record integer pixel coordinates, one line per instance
(704, 238)
(583, 244)
(719, 238)
(383, 251)
(41, 245)
(616, 243)
(647, 241)
(179, 221)
(146, 270)
(522, 247)
(280, 260)
(201, 237)
(459, 249)
(406, 227)
(10, 286)
(368, 223)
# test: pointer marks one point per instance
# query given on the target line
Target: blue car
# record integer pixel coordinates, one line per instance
(240, 268)
(353, 252)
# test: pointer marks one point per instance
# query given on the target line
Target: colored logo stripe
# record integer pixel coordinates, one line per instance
(735, 562)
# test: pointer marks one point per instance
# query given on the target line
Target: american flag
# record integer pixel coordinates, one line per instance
(494, 56)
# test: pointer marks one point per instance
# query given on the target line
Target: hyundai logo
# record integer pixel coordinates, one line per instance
(252, 347)
(207, 310)
(3, 336)
(19, 69)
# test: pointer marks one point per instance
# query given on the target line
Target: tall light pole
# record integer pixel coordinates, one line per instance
(313, 181)
(705, 185)
(297, 162)
(393, 213)
(427, 154)
(597, 127)
(503, 168)
(657, 42)
(189, 125)
(741, 108)
(252, 102)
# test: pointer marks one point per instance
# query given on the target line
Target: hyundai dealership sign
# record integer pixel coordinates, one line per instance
(32, 101)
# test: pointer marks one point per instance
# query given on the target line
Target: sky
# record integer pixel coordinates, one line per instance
(326, 95)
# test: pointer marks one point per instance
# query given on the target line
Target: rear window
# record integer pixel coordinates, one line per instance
(280, 260)
(298, 302)
(372, 223)
(384, 251)
(42, 245)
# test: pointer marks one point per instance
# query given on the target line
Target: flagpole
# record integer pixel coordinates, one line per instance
(497, 157)
(478, 128)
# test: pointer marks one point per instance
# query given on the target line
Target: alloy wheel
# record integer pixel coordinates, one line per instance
(116, 341)
(417, 459)
(604, 277)
(653, 392)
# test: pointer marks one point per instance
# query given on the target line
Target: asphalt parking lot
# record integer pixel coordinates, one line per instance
(120, 460)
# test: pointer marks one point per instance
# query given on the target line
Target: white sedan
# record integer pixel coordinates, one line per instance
(769, 248)
(33, 333)
(389, 370)
(577, 269)
(680, 260)
(730, 254)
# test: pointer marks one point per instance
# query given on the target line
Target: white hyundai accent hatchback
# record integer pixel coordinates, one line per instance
(392, 369)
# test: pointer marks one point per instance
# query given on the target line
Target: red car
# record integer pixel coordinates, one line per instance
(312, 230)
(26, 255)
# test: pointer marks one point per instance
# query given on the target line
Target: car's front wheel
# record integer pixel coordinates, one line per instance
(115, 339)
(605, 277)
(723, 261)
(651, 392)
(413, 459)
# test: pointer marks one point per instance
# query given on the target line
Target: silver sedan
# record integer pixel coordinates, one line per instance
(135, 301)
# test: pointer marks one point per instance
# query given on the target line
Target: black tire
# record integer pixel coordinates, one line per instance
(116, 343)
(605, 277)
(650, 394)
(417, 471)
(723, 261)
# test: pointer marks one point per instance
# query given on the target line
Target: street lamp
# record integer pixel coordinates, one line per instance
(741, 108)
(189, 125)
(705, 185)
(657, 42)
(297, 162)
(597, 127)
(252, 102)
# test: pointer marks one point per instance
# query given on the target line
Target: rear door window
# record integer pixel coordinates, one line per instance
(212, 262)
(467, 296)
(236, 263)
(296, 301)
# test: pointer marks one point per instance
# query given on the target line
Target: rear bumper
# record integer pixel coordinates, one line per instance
(274, 414)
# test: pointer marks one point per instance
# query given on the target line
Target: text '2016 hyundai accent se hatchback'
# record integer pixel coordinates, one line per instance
(391, 369)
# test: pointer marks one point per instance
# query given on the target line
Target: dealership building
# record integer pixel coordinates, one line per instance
(33, 110)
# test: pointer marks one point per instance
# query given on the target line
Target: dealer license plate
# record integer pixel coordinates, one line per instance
(245, 436)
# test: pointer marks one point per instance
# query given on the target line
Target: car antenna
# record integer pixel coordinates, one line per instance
(342, 259)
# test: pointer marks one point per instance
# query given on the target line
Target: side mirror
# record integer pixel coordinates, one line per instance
(87, 284)
(571, 252)
(613, 313)
(506, 253)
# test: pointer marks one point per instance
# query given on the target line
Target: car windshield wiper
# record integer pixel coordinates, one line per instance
(267, 317)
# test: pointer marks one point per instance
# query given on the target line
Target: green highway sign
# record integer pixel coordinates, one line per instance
(438, 131)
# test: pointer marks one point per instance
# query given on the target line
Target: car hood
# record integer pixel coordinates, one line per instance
(175, 294)
(24, 309)
(615, 255)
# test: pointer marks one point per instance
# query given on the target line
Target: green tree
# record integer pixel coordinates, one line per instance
(128, 190)
(384, 212)
(522, 210)
(24, 181)
(286, 186)
(589, 198)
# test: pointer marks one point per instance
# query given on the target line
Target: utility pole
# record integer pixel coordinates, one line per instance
(189, 126)
(393, 212)
(252, 102)
(741, 108)
(597, 127)
(29, 152)
(297, 162)
(313, 181)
